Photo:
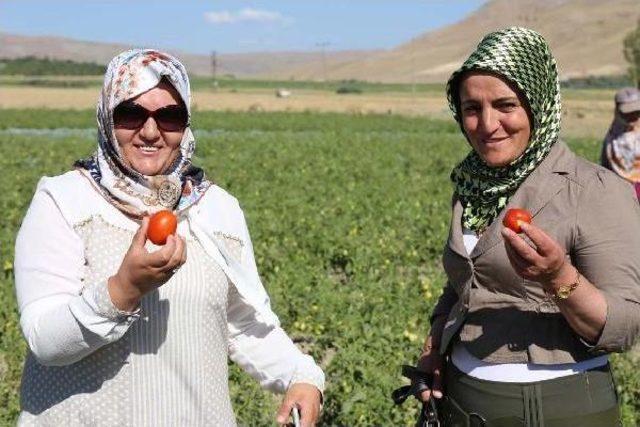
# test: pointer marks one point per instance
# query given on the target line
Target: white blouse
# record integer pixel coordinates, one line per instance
(166, 363)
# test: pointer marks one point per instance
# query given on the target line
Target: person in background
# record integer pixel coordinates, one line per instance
(621, 147)
(124, 333)
(522, 332)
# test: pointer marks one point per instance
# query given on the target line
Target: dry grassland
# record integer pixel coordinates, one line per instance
(586, 113)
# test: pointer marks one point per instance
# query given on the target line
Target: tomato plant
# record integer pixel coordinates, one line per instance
(161, 225)
(350, 257)
(515, 217)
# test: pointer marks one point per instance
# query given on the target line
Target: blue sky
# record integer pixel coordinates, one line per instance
(235, 25)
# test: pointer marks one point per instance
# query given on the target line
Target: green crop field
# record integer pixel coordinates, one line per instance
(348, 216)
(222, 83)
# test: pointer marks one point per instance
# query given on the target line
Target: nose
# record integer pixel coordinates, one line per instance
(150, 131)
(489, 122)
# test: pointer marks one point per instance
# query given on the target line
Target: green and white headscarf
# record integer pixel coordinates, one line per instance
(522, 57)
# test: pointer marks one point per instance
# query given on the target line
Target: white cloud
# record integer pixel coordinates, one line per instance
(223, 17)
(245, 15)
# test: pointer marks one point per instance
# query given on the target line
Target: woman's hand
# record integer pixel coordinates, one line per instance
(545, 263)
(141, 272)
(431, 361)
(586, 308)
(307, 398)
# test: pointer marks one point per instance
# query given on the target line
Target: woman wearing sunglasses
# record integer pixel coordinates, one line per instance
(123, 332)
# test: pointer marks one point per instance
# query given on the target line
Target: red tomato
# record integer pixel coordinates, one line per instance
(161, 225)
(514, 217)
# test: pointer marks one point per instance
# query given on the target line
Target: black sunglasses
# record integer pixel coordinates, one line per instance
(129, 115)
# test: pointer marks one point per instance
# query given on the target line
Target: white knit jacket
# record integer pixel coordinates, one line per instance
(49, 283)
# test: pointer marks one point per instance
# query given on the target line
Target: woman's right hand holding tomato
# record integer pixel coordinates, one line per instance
(142, 271)
(431, 361)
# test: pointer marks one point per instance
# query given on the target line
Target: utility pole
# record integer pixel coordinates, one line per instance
(413, 70)
(322, 46)
(214, 68)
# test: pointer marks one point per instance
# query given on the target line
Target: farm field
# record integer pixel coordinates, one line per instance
(348, 215)
(587, 112)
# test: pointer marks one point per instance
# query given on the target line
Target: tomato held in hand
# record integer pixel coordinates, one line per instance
(161, 225)
(514, 217)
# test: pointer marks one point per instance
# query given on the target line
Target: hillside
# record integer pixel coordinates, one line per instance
(240, 65)
(585, 35)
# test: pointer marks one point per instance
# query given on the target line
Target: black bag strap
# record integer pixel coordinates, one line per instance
(420, 381)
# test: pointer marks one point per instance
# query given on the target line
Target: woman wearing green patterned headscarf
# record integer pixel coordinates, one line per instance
(522, 331)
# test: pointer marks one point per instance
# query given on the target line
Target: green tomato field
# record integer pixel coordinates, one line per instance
(348, 216)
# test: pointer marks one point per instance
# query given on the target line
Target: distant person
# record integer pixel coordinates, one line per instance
(621, 147)
(523, 329)
(125, 333)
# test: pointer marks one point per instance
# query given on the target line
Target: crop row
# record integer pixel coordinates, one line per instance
(348, 216)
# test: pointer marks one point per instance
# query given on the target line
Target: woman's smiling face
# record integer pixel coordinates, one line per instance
(149, 149)
(494, 118)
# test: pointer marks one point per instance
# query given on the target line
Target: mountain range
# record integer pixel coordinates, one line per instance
(585, 37)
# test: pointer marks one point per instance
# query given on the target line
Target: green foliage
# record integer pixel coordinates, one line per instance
(32, 66)
(596, 82)
(348, 216)
(50, 78)
(632, 53)
(200, 82)
(348, 88)
(213, 122)
(47, 119)
(227, 84)
(53, 81)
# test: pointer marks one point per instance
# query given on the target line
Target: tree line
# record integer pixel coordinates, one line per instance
(32, 66)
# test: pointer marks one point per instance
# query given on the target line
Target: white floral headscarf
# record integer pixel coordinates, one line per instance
(128, 75)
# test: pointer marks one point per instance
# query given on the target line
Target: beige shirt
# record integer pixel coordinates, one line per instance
(502, 318)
